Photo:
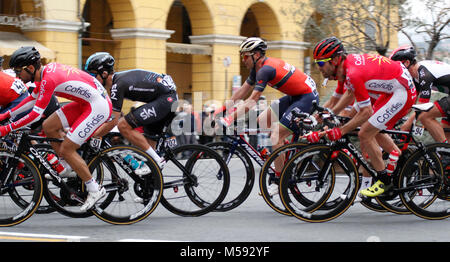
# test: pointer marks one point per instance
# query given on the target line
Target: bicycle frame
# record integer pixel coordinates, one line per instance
(240, 141)
(345, 143)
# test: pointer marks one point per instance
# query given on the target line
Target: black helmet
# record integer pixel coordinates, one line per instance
(328, 48)
(403, 53)
(100, 61)
(253, 43)
(25, 56)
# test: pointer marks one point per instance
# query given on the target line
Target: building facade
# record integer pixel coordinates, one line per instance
(195, 41)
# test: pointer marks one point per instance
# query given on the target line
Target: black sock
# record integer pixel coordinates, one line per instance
(383, 177)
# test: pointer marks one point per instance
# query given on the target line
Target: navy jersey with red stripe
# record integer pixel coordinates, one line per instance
(281, 76)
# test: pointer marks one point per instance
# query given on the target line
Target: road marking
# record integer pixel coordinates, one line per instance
(40, 237)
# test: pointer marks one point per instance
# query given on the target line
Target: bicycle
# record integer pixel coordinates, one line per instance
(314, 164)
(238, 154)
(194, 185)
(268, 176)
(107, 167)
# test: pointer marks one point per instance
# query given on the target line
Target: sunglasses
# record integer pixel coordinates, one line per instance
(17, 71)
(245, 57)
(93, 74)
(322, 62)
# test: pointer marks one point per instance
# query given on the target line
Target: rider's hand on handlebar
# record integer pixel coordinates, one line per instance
(334, 134)
(226, 121)
(313, 137)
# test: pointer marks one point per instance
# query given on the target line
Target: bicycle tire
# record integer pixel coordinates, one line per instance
(311, 160)
(241, 183)
(140, 195)
(428, 185)
(17, 203)
(186, 198)
(267, 176)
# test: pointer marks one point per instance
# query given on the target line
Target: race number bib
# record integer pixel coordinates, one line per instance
(18, 86)
(168, 81)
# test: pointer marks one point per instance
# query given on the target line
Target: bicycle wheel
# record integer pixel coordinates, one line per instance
(196, 180)
(130, 198)
(338, 186)
(267, 175)
(242, 174)
(21, 193)
(65, 198)
(423, 183)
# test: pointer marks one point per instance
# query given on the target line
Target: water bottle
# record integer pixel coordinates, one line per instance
(264, 152)
(392, 162)
(133, 162)
(54, 161)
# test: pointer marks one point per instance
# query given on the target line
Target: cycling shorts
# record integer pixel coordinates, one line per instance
(152, 114)
(443, 105)
(285, 105)
(84, 119)
(390, 108)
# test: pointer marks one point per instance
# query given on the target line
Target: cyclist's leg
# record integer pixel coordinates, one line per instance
(445, 122)
(149, 114)
(301, 103)
(428, 119)
(388, 109)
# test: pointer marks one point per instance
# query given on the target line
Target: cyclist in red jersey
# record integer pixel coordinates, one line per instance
(13, 91)
(300, 90)
(91, 107)
(363, 76)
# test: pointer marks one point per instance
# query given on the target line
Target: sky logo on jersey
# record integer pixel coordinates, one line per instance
(147, 113)
(381, 59)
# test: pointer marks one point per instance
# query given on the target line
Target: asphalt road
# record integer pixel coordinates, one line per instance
(253, 221)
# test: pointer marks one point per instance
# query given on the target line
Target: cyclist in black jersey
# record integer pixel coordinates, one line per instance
(428, 75)
(157, 91)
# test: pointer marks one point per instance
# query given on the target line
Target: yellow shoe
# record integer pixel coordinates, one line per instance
(375, 190)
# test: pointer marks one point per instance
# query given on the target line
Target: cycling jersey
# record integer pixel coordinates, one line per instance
(377, 75)
(281, 76)
(139, 85)
(73, 84)
(11, 88)
(51, 107)
(433, 75)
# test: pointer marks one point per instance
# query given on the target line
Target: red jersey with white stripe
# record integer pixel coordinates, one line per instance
(370, 75)
(62, 81)
(10, 88)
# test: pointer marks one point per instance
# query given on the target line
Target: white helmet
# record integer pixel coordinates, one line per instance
(253, 43)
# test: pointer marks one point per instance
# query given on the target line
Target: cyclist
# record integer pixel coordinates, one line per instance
(157, 91)
(364, 75)
(299, 89)
(52, 107)
(428, 75)
(13, 91)
(90, 108)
